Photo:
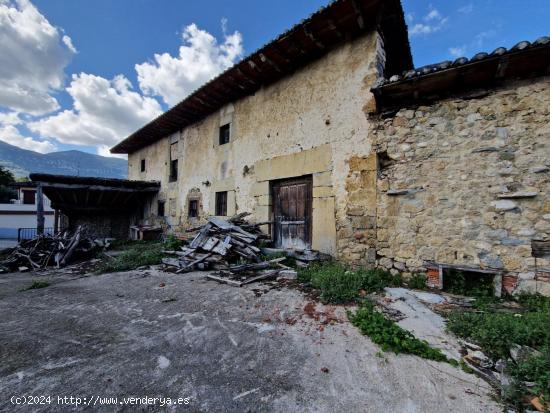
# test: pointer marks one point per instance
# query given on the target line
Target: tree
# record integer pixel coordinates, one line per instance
(6, 178)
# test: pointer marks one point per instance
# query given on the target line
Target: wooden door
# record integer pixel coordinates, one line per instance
(292, 213)
(29, 196)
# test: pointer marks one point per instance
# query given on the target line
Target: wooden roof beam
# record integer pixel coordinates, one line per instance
(247, 78)
(270, 62)
(314, 39)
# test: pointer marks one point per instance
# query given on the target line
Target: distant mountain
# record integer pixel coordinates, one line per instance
(22, 162)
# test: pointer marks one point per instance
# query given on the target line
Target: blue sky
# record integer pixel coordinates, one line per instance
(94, 71)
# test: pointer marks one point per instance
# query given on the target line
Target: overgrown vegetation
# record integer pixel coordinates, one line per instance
(134, 255)
(338, 283)
(389, 336)
(457, 283)
(6, 179)
(172, 243)
(497, 332)
(417, 281)
(36, 284)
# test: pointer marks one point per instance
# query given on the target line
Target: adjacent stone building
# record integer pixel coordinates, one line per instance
(441, 167)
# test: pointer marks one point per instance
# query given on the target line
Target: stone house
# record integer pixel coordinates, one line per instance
(440, 167)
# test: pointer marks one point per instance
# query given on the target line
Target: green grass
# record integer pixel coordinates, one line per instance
(338, 283)
(496, 332)
(36, 284)
(390, 337)
(135, 255)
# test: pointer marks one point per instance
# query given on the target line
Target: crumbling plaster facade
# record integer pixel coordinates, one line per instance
(463, 181)
(310, 123)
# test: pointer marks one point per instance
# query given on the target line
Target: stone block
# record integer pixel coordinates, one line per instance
(361, 163)
(322, 179)
(322, 191)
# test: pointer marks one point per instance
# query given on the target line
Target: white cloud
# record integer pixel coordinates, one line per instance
(479, 39)
(105, 150)
(434, 22)
(200, 58)
(69, 43)
(432, 15)
(10, 118)
(104, 112)
(468, 8)
(10, 134)
(33, 55)
(458, 51)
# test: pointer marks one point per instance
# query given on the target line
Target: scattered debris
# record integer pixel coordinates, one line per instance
(44, 250)
(232, 248)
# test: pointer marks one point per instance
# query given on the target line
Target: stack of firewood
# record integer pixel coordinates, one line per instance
(45, 250)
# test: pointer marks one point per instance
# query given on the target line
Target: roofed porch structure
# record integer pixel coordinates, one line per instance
(107, 207)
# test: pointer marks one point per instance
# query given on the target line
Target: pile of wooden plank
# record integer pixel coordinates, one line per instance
(232, 249)
(45, 250)
(217, 244)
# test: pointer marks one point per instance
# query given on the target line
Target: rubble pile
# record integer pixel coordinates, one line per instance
(44, 250)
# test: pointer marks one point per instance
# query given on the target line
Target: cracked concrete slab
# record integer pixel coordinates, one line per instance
(151, 333)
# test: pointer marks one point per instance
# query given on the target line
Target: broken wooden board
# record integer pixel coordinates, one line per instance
(224, 280)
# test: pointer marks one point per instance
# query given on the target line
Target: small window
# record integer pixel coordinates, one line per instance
(160, 208)
(173, 170)
(225, 132)
(221, 203)
(142, 165)
(193, 208)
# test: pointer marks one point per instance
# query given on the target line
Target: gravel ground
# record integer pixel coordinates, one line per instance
(256, 349)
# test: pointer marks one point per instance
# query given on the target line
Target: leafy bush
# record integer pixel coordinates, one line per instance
(338, 283)
(417, 281)
(136, 255)
(390, 336)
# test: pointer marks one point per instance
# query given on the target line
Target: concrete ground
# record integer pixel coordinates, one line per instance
(260, 348)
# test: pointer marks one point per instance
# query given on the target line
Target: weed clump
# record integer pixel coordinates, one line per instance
(417, 281)
(36, 284)
(172, 243)
(338, 283)
(389, 336)
(497, 332)
(135, 255)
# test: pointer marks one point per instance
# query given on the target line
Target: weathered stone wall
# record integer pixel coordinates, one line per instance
(464, 182)
(310, 123)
